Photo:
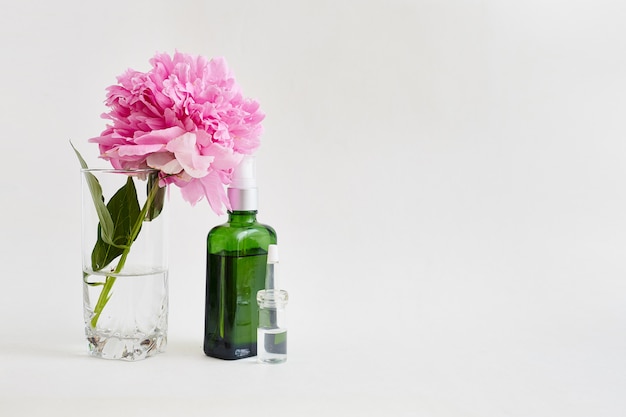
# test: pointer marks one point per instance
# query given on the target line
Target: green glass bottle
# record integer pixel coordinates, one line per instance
(236, 265)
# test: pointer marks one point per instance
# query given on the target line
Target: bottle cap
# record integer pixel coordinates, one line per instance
(272, 254)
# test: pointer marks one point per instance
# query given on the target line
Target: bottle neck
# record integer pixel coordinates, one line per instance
(242, 216)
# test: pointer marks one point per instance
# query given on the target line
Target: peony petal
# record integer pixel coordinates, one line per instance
(214, 192)
(186, 152)
(211, 187)
(108, 138)
(224, 158)
(162, 136)
(165, 162)
(191, 191)
(143, 150)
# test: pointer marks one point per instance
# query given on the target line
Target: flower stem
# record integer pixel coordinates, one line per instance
(105, 295)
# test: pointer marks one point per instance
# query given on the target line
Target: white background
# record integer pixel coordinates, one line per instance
(446, 178)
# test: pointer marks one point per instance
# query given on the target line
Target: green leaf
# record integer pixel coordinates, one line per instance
(157, 204)
(124, 210)
(106, 222)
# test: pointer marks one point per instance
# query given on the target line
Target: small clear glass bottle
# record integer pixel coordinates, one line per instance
(272, 331)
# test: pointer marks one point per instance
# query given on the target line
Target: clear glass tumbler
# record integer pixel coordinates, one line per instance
(125, 266)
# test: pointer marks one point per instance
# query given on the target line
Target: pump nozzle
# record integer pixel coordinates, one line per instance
(244, 176)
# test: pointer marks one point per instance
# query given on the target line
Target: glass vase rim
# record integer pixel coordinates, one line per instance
(120, 170)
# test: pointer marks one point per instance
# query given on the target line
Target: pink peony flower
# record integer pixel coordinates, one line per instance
(185, 117)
